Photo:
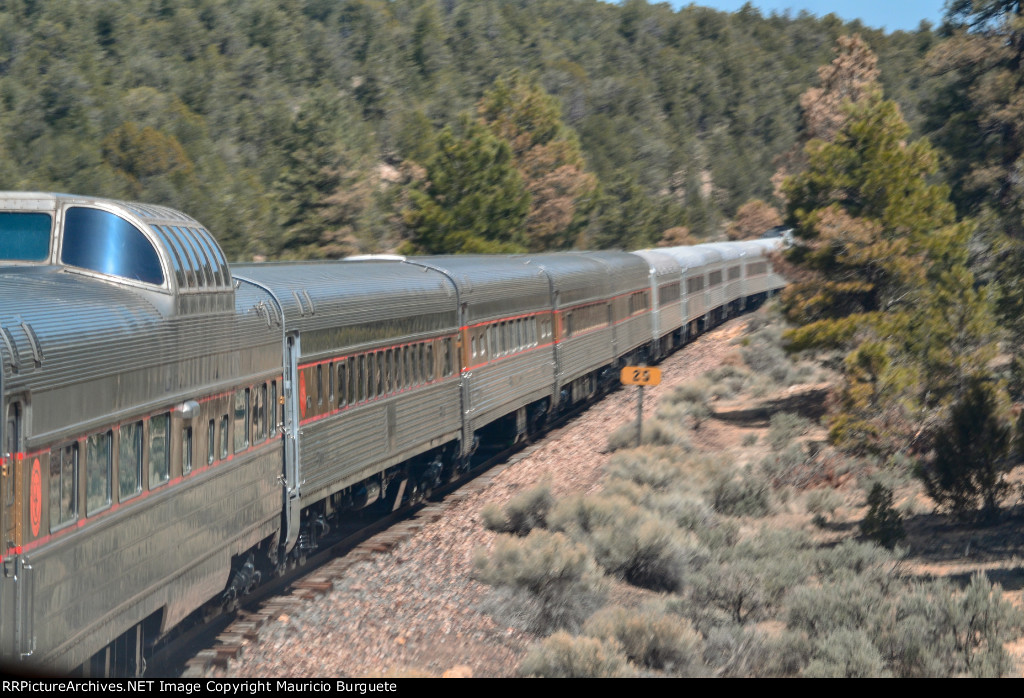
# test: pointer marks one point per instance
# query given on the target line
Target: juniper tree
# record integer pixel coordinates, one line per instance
(880, 273)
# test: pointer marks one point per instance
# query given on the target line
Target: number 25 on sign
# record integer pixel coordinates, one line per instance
(640, 375)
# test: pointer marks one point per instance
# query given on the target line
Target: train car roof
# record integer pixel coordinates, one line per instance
(575, 278)
(385, 297)
(693, 257)
(492, 286)
(727, 250)
(660, 262)
(627, 272)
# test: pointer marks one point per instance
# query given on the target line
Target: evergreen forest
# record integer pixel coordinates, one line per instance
(320, 128)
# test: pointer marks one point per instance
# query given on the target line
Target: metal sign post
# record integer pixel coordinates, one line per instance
(640, 376)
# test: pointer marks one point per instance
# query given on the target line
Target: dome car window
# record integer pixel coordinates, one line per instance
(25, 237)
(103, 242)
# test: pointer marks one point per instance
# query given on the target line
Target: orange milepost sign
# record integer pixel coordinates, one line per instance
(640, 375)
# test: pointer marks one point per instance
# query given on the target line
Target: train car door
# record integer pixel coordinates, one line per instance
(292, 497)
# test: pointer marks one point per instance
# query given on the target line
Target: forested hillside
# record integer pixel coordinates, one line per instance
(316, 127)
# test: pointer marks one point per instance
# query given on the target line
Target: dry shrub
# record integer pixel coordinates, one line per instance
(846, 654)
(656, 468)
(545, 581)
(737, 651)
(650, 638)
(741, 493)
(627, 541)
(622, 437)
(563, 656)
(523, 513)
(784, 427)
(695, 391)
(822, 503)
(687, 511)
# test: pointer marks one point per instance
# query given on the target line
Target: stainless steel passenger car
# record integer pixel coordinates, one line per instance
(507, 333)
(174, 428)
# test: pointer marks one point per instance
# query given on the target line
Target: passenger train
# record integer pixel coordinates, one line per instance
(175, 427)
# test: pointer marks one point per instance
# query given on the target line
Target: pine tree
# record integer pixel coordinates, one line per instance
(880, 273)
(472, 199)
(325, 185)
(966, 474)
(977, 118)
(548, 156)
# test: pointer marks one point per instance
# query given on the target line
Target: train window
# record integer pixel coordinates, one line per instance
(319, 384)
(330, 383)
(186, 450)
(241, 419)
(272, 405)
(734, 273)
(715, 278)
(431, 368)
(25, 236)
(98, 474)
(446, 347)
(211, 442)
(256, 413)
(211, 267)
(224, 436)
(360, 378)
(159, 458)
(381, 370)
(177, 254)
(342, 382)
(129, 460)
(265, 408)
(389, 371)
(106, 243)
(194, 259)
(63, 486)
(669, 293)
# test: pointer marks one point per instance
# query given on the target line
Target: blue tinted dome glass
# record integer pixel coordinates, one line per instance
(25, 236)
(103, 242)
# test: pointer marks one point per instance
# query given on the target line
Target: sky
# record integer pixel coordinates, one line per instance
(891, 15)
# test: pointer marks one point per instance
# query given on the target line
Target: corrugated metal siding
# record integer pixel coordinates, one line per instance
(146, 552)
(580, 355)
(107, 351)
(341, 450)
(509, 383)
